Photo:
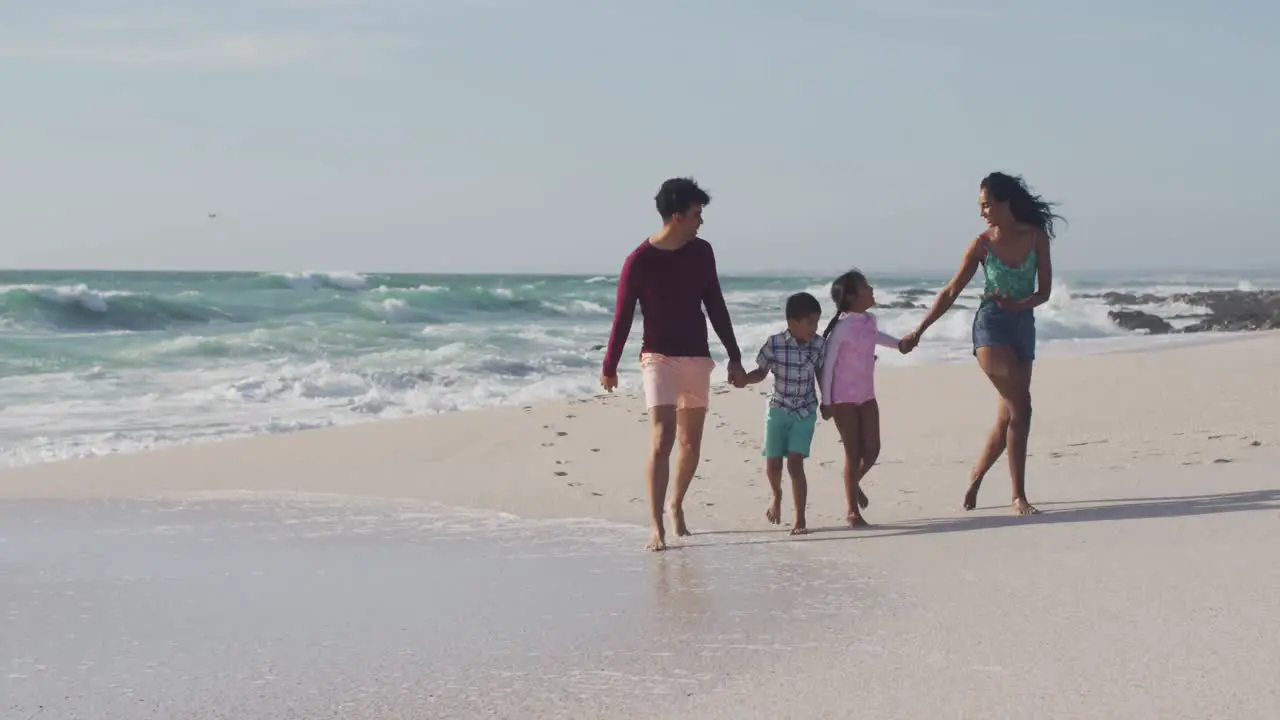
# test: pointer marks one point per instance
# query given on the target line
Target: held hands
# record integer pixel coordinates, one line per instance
(737, 375)
(826, 412)
(909, 342)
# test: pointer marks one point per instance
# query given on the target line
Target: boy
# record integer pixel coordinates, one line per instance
(795, 358)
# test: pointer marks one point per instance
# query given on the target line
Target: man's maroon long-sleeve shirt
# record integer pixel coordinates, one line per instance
(671, 286)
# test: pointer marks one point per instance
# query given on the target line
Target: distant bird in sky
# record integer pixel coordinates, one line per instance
(213, 215)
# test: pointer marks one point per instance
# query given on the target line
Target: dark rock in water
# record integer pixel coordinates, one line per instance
(904, 305)
(915, 292)
(1236, 323)
(1234, 302)
(596, 347)
(1229, 311)
(1125, 298)
(1140, 321)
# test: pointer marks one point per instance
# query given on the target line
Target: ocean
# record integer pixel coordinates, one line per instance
(105, 362)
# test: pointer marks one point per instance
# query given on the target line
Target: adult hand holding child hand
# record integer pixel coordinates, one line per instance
(737, 375)
(909, 342)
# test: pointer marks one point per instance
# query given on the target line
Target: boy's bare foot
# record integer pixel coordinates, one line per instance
(1022, 507)
(774, 513)
(863, 500)
(971, 496)
(855, 519)
(677, 517)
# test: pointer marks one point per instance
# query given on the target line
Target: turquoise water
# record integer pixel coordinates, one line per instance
(101, 362)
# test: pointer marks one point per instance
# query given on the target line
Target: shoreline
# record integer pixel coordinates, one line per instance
(570, 447)
(1118, 345)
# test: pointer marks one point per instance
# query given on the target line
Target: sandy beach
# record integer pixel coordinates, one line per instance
(490, 563)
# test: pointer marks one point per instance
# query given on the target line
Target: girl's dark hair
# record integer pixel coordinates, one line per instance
(841, 288)
(1026, 206)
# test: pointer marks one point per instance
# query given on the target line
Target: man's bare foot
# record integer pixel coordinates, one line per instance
(677, 517)
(971, 496)
(855, 519)
(1022, 507)
(774, 513)
(657, 538)
(863, 500)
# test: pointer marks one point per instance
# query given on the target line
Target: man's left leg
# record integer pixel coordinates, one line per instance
(689, 424)
(691, 416)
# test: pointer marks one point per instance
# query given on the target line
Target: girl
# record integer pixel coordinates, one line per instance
(848, 382)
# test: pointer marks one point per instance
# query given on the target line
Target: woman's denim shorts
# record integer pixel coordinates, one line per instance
(993, 325)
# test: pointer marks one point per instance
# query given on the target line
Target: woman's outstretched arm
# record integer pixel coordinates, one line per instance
(947, 296)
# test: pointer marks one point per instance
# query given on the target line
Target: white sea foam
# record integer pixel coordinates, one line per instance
(131, 367)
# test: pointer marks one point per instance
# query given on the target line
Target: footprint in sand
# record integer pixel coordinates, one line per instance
(595, 449)
(561, 473)
(570, 417)
(1223, 461)
(561, 433)
(1256, 443)
(598, 494)
(575, 484)
(562, 462)
(547, 444)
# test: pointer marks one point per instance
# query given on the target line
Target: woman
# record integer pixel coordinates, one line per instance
(1014, 254)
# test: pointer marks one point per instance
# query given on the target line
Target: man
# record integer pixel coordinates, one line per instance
(673, 275)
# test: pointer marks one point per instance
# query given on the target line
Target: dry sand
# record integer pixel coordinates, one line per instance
(1148, 588)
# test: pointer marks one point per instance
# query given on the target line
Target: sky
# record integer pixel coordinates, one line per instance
(531, 135)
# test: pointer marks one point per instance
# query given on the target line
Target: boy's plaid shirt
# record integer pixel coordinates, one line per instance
(795, 368)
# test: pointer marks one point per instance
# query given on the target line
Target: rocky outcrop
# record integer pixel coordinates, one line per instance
(1139, 321)
(1228, 311)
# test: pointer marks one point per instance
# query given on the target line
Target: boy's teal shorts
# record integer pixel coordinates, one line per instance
(786, 433)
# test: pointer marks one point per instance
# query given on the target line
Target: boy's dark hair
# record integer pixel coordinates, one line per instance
(677, 195)
(802, 305)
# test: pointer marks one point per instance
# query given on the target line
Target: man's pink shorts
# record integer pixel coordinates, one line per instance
(681, 381)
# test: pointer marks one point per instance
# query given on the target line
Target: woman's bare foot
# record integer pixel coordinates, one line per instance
(774, 513)
(1022, 507)
(971, 496)
(677, 517)
(855, 519)
(863, 500)
(799, 528)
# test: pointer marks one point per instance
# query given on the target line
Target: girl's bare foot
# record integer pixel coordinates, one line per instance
(774, 513)
(1022, 507)
(855, 519)
(677, 516)
(971, 497)
(657, 541)
(799, 528)
(863, 501)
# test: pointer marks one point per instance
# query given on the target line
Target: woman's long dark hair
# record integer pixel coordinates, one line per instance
(841, 290)
(1026, 206)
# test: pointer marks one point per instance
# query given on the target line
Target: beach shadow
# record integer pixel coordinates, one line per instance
(1051, 513)
(1098, 511)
